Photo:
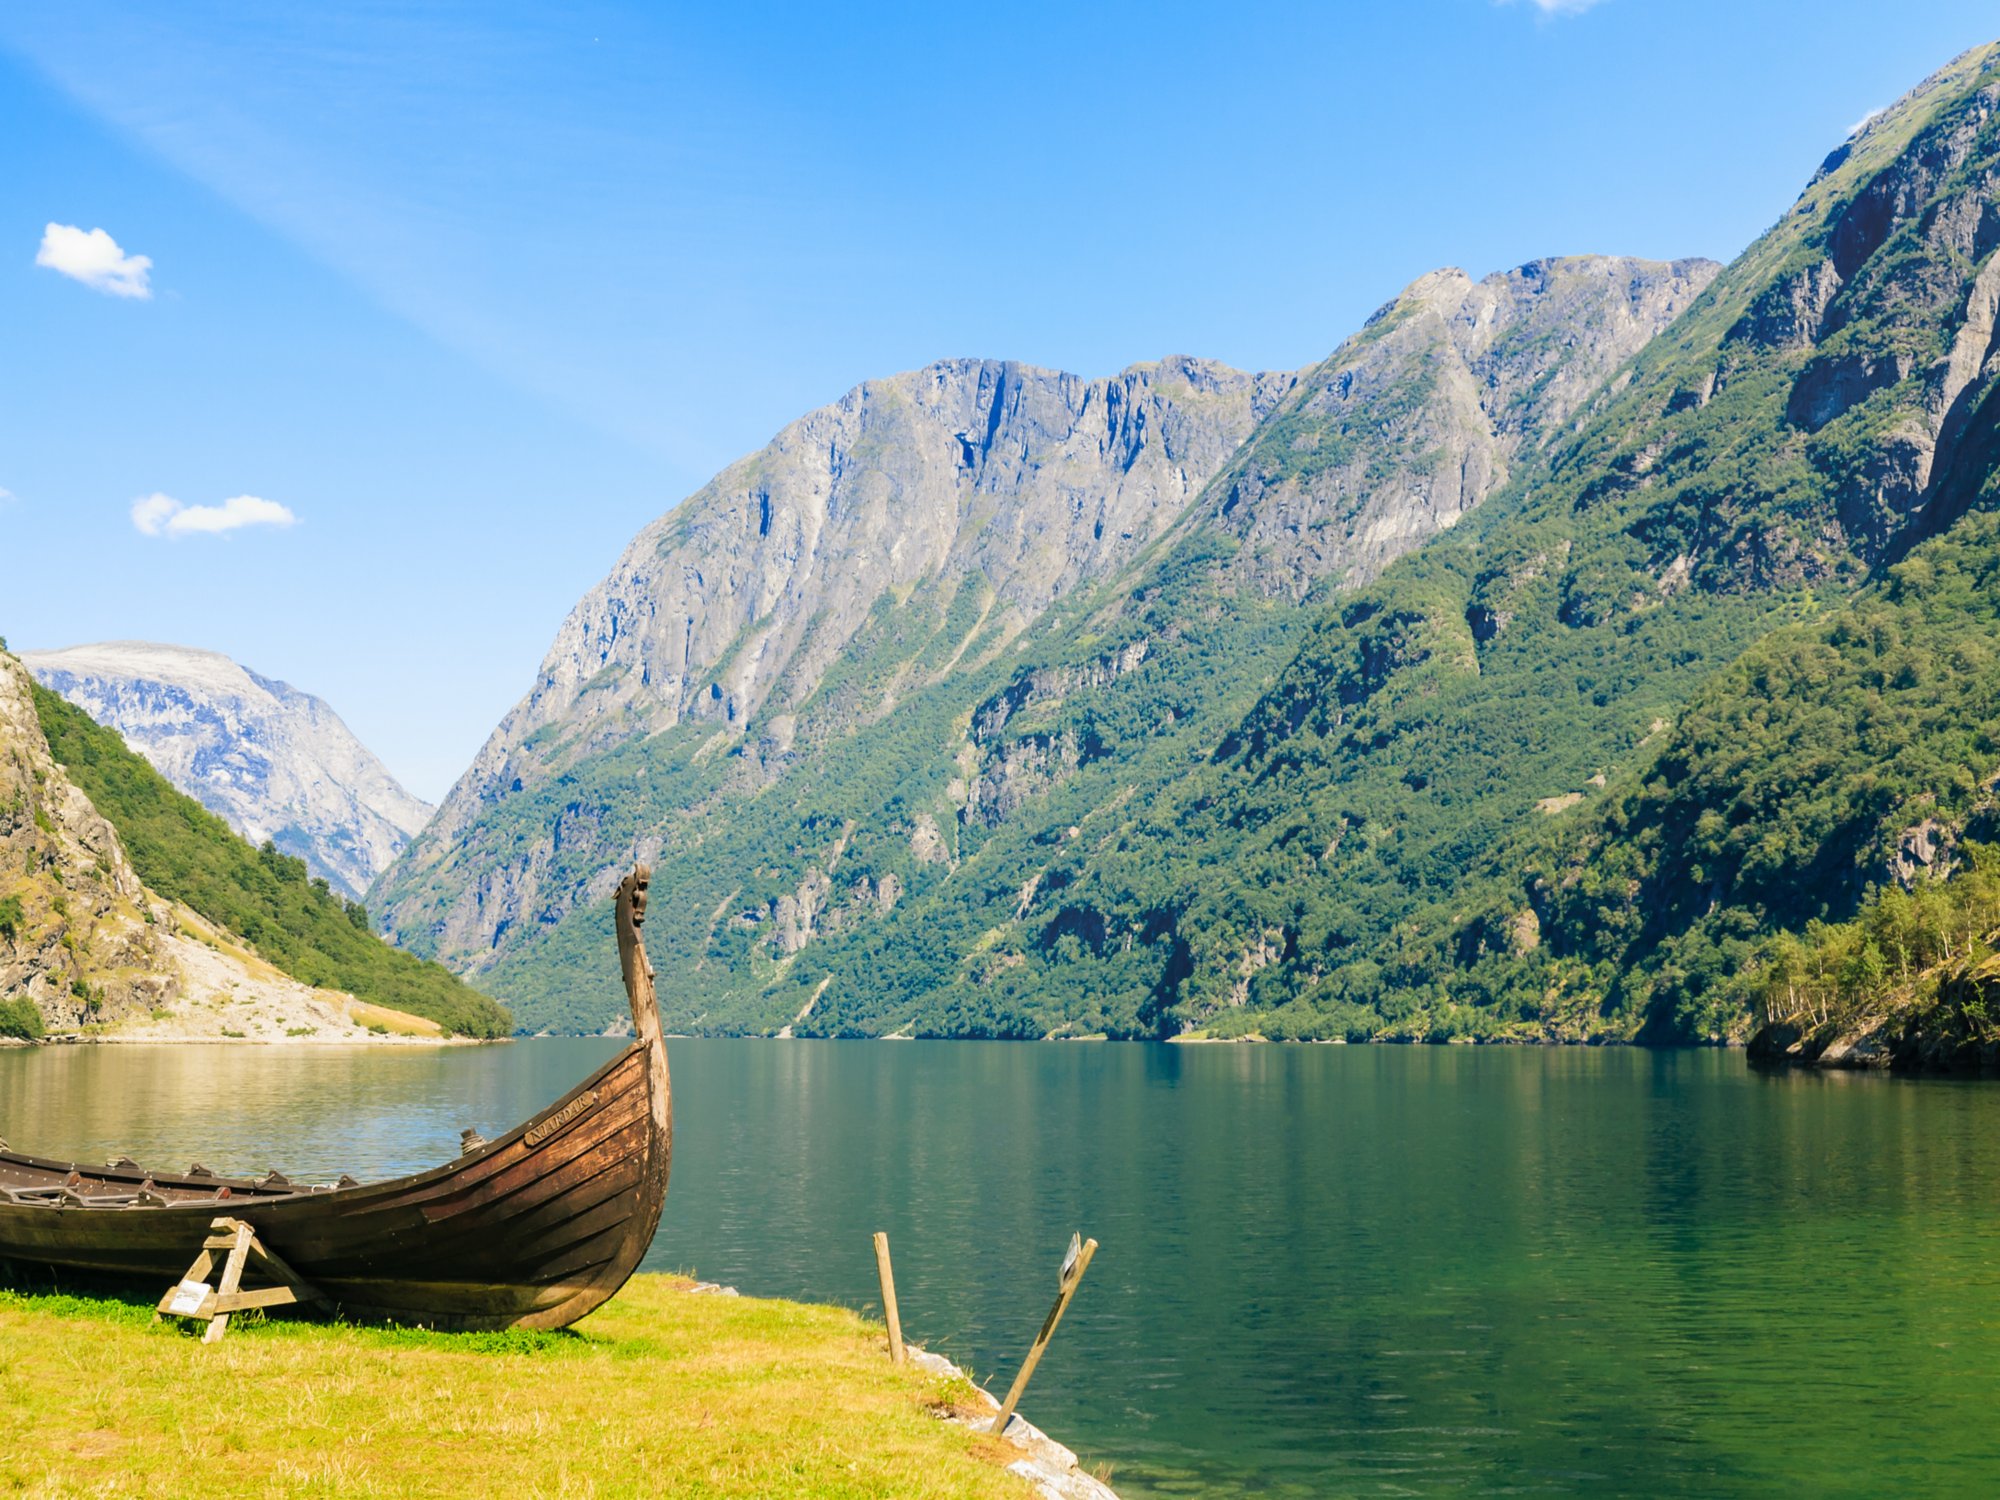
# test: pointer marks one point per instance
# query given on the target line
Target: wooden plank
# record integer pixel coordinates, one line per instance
(270, 1296)
(888, 1278)
(1072, 1278)
(203, 1263)
(231, 1280)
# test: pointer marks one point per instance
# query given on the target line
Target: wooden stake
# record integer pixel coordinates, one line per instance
(232, 1280)
(888, 1275)
(1072, 1277)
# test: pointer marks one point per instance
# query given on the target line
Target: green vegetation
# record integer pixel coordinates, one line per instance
(1916, 964)
(1837, 756)
(19, 1019)
(702, 1396)
(187, 854)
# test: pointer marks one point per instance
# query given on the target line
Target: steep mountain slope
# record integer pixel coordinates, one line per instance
(811, 692)
(1470, 797)
(736, 604)
(78, 938)
(1408, 427)
(124, 904)
(1851, 755)
(1370, 850)
(277, 764)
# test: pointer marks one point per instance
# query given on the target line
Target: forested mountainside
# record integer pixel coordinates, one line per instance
(123, 901)
(276, 764)
(1520, 673)
(1814, 444)
(807, 693)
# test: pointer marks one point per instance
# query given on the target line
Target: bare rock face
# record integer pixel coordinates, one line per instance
(1890, 317)
(79, 938)
(737, 602)
(1419, 417)
(752, 587)
(275, 763)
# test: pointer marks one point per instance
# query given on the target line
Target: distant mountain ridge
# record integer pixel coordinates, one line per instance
(276, 763)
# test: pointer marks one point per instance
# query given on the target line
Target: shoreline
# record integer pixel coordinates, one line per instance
(1055, 1471)
(1884, 1046)
(365, 1040)
(1732, 1044)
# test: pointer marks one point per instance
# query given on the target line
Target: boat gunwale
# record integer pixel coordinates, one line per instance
(253, 1194)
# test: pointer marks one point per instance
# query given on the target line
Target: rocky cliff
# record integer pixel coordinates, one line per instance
(741, 598)
(78, 932)
(1426, 412)
(277, 764)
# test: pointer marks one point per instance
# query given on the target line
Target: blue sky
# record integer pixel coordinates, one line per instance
(473, 291)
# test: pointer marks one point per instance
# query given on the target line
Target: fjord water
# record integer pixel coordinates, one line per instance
(1325, 1270)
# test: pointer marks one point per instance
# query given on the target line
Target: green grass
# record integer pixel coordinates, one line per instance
(187, 854)
(657, 1393)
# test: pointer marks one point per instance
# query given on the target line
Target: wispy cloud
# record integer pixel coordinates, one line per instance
(1559, 7)
(7, 498)
(93, 258)
(163, 515)
(1864, 122)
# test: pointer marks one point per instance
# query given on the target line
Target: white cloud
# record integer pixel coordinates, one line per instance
(1560, 7)
(94, 259)
(163, 515)
(7, 497)
(153, 513)
(1864, 122)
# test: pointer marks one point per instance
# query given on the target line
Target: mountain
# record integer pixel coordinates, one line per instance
(1695, 678)
(809, 692)
(1596, 652)
(1817, 446)
(1704, 678)
(127, 908)
(1410, 425)
(277, 764)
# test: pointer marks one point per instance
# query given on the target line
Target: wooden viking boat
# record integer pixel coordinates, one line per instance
(532, 1230)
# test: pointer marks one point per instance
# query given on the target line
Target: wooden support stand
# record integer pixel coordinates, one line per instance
(888, 1275)
(1067, 1281)
(194, 1298)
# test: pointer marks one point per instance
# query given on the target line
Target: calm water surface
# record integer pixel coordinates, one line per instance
(1325, 1270)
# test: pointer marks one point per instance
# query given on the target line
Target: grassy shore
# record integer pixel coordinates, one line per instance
(658, 1393)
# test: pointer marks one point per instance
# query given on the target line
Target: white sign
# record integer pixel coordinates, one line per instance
(188, 1298)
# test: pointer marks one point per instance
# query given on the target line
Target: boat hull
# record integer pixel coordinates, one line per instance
(530, 1231)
